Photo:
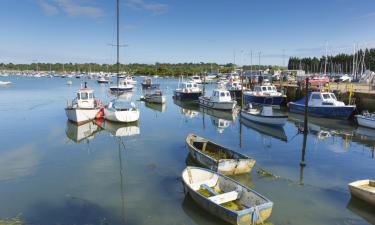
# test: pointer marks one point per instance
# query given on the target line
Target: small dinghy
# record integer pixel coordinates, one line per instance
(218, 158)
(264, 116)
(366, 119)
(225, 197)
(364, 190)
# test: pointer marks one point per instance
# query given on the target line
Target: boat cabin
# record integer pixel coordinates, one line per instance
(221, 95)
(234, 85)
(196, 78)
(85, 98)
(265, 89)
(190, 86)
(324, 98)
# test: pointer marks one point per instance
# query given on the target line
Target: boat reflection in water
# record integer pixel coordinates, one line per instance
(362, 209)
(78, 133)
(189, 109)
(156, 107)
(219, 118)
(121, 129)
(365, 136)
(275, 132)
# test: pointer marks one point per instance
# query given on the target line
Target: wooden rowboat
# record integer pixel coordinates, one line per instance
(364, 190)
(218, 158)
(225, 197)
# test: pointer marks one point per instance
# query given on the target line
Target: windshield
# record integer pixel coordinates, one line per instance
(84, 96)
(333, 96)
(326, 96)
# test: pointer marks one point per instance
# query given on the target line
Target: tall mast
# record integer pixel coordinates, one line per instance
(118, 42)
(325, 63)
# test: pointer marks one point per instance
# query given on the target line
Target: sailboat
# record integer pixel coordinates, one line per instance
(119, 110)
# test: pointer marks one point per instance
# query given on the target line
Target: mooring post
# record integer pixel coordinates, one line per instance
(305, 127)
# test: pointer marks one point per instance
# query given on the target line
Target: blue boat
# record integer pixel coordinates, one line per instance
(264, 95)
(189, 91)
(323, 104)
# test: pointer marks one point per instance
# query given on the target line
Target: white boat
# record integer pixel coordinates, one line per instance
(235, 88)
(5, 83)
(69, 82)
(103, 80)
(84, 107)
(187, 91)
(196, 79)
(364, 190)
(121, 111)
(226, 198)
(366, 119)
(264, 95)
(156, 97)
(130, 80)
(220, 99)
(123, 86)
(265, 115)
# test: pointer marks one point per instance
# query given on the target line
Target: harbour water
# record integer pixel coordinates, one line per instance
(54, 172)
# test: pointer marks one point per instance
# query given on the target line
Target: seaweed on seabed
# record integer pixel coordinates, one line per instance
(13, 221)
(264, 173)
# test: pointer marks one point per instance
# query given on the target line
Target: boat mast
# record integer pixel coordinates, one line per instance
(325, 63)
(118, 44)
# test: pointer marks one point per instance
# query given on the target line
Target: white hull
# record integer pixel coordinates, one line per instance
(81, 115)
(5, 82)
(217, 105)
(156, 99)
(366, 121)
(269, 120)
(121, 116)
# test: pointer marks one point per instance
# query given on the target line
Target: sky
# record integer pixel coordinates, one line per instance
(178, 31)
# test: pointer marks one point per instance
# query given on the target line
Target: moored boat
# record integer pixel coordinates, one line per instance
(5, 83)
(220, 99)
(148, 84)
(123, 86)
(323, 104)
(156, 97)
(226, 198)
(218, 158)
(121, 111)
(264, 95)
(84, 107)
(103, 80)
(265, 115)
(187, 91)
(364, 190)
(366, 119)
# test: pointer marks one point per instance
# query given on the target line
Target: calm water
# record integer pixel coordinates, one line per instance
(53, 172)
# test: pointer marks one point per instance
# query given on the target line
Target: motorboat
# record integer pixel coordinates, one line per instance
(156, 97)
(187, 91)
(220, 99)
(130, 80)
(323, 104)
(264, 95)
(366, 119)
(119, 110)
(4, 83)
(148, 84)
(122, 86)
(103, 80)
(84, 107)
(196, 79)
(264, 115)
(235, 88)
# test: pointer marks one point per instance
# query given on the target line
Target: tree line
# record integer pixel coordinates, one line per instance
(341, 63)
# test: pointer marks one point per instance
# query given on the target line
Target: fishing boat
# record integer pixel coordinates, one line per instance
(226, 198)
(130, 80)
(119, 110)
(148, 84)
(264, 95)
(323, 104)
(103, 80)
(84, 107)
(218, 158)
(5, 83)
(364, 190)
(156, 97)
(264, 115)
(235, 88)
(196, 79)
(220, 99)
(187, 91)
(123, 85)
(366, 119)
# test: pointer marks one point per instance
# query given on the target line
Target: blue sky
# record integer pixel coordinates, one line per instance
(182, 31)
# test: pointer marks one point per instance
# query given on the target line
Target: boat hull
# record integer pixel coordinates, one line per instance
(150, 86)
(178, 95)
(237, 94)
(364, 190)
(238, 165)
(81, 116)
(217, 105)
(264, 100)
(120, 89)
(125, 116)
(366, 121)
(267, 120)
(159, 99)
(339, 112)
(244, 217)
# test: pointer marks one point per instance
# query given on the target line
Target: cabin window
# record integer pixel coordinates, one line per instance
(84, 96)
(195, 85)
(78, 96)
(315, 96)
(264, 88)
(90, 95)
(270, 88)
(333, 96)
(326, 96)
(222, 94)
(228, 94)
(274, 88)
(257, 89)
(188, 86)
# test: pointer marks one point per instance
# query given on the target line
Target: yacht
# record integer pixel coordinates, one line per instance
(84, 107)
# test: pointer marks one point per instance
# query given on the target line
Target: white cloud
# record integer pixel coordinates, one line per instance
(73, 8)
(155, 8)
(48, 8)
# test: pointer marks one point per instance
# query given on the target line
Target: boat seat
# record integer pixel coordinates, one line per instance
(209, 189)
(209, 183)
(226, 197)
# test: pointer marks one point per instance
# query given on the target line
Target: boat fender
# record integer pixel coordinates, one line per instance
(100, 114)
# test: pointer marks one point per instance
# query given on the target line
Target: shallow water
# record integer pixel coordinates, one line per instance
(53, 172)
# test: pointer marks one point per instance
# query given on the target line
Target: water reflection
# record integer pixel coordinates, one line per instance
(78, 133)
(121, 129)
(365, 136)
(220, 119)
(156, 107)
(362, 209)
(275, 132)
(188, 109)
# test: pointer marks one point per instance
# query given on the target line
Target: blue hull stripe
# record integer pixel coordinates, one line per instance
(267, 100)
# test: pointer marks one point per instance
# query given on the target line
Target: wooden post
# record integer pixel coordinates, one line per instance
(305, 125)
